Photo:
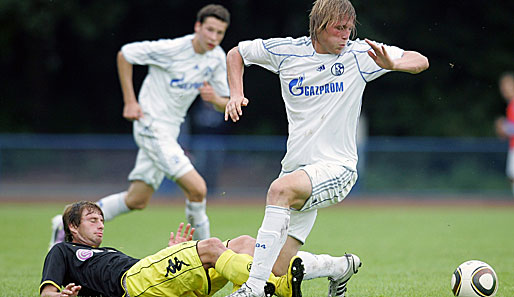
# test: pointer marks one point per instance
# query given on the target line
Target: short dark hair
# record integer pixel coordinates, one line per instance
(213, 10)
(73, 214)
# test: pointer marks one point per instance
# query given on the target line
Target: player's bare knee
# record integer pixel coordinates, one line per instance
(279, 194)
(244, 244)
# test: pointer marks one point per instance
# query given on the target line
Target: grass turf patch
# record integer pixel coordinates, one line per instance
(406, 251)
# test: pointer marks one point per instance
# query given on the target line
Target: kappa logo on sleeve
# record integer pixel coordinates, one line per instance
(174, 267)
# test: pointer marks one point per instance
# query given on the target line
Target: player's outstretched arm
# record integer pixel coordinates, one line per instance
(411, 61)
(70, 290)
(181, 237)
(132, 110)
(235, 69)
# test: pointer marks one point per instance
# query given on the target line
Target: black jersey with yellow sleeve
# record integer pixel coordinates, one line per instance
(97, 270)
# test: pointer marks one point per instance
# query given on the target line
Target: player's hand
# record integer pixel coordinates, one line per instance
(234, 107)
(132, 111)
(70, 290)
(380, 56)
(207, 92)
(181, 237)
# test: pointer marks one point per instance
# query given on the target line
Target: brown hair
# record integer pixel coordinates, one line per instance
(213, 10)
(325, 12)
(73, 214)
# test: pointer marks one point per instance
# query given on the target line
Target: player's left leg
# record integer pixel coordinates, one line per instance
(195, 189)
(338, 270)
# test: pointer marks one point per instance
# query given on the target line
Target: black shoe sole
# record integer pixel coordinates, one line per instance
(269, 289)
(297, 270)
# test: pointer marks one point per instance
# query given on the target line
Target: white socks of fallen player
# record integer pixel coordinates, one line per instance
(271, 237)
(196, 216)
(322, 265)
(113, 205)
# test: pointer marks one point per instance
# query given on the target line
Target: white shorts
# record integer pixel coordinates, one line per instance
(159, 153)
(331, 183)
(510, 164)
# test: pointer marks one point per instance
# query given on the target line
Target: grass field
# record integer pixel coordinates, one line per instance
(406, 250)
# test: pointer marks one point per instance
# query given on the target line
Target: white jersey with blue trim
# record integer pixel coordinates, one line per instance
(175, 72)
(322, 95)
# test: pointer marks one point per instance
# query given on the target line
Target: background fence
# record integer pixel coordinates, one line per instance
(48, 167)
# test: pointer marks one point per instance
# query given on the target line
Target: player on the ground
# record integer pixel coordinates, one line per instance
(505, 125)
(322, 79)
(185, 268)
(178, 70)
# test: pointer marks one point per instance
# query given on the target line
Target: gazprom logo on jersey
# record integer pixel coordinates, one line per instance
(296, 88)
(179, 83)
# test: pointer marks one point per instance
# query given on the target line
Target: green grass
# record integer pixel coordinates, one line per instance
(406, 251)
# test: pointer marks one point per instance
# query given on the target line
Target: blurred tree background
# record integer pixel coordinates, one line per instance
(58, 67)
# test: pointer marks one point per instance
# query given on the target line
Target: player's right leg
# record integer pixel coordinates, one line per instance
(286, 191)
(195, 189)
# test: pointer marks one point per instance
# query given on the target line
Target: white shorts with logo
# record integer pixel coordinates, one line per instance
(331, 183)
(159, 153)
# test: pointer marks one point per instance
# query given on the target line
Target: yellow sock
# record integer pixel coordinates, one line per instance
(234, 267)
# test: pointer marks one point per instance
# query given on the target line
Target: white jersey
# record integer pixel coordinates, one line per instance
(175, 72)
(322, 95)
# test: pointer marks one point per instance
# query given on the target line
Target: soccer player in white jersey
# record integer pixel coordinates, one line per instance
(322, 79)
(179, 70)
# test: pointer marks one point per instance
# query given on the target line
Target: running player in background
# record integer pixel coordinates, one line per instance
(505, 125)
(178, 70)
(185, 268)
(322, 80)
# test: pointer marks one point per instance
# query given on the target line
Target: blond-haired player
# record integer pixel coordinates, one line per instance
(322, 78)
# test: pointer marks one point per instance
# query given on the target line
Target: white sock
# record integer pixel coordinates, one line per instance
(322, 265)
(196, 216)
(271, 237)
(113, 205)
